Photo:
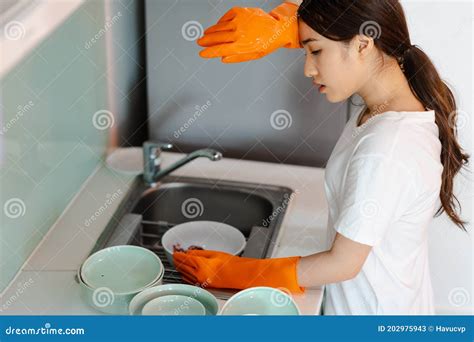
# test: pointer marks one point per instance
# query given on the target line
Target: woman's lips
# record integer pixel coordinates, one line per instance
(321, 87)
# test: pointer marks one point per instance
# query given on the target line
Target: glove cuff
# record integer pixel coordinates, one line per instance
(286, 13)
(273, 272)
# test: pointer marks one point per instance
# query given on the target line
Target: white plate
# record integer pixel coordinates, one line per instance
(127, 160)
(203, 296)
(260, 300)
(211, 235)
(174, 305)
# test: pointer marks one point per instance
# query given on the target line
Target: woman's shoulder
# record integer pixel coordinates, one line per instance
(399, 135)
(406, 139)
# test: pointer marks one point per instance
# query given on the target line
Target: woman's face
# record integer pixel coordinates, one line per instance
(336, 65)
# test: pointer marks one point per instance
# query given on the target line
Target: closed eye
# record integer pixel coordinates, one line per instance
(314, 52)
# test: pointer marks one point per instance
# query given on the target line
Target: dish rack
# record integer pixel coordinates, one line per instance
(133, 230)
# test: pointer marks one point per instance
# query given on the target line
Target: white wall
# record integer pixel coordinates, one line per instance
(444, 30)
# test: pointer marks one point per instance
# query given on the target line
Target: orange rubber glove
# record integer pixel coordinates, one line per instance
(243, 33)
(223, 270)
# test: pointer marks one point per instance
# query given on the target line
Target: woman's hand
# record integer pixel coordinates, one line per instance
(243, 34)
(223, 270)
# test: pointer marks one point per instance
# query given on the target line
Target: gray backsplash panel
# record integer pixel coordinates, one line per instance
(264, 109)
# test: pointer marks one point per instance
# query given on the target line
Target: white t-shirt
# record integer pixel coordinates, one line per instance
(382, 184)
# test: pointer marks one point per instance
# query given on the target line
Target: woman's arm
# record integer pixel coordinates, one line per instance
(245, 34)
(342, 262)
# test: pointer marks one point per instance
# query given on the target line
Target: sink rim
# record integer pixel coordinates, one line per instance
(275, 194)
(138, 188)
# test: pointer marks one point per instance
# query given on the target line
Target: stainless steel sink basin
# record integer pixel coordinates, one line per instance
(256, 210)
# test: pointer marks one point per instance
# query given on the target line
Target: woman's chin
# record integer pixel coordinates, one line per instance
(333, 98)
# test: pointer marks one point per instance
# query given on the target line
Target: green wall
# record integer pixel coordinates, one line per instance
(49, 142)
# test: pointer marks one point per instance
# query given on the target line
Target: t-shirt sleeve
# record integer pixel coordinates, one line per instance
(376, 192)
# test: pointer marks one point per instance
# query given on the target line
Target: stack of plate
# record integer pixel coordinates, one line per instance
(174, 299)
(111, 277)
(128, 280)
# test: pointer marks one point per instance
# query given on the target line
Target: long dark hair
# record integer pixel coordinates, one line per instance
(384, 20)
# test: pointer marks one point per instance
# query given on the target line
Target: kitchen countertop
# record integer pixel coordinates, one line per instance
(45, 284)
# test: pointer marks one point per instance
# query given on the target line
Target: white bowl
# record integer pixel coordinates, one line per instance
(174, 305)
(210, 235)
(123, 269)
(105, 300)
(260, 300)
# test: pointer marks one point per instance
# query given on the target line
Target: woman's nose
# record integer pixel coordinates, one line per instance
(309, 69)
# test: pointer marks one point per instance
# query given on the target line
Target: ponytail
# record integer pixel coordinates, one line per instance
(430, 90)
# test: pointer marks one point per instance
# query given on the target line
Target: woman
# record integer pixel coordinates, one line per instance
(391, 168)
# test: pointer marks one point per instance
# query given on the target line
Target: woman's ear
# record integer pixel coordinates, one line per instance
(363, 44)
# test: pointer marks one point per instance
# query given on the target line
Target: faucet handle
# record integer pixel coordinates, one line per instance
(151, 158)
(153, 149)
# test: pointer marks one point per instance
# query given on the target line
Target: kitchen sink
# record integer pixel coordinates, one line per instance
(256, 210)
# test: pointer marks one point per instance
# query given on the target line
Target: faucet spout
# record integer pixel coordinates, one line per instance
(151, 152)
(211, 154)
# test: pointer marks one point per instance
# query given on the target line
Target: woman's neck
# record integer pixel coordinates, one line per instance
(388, 90)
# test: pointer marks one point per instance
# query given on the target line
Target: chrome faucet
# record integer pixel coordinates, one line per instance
(152, 171)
